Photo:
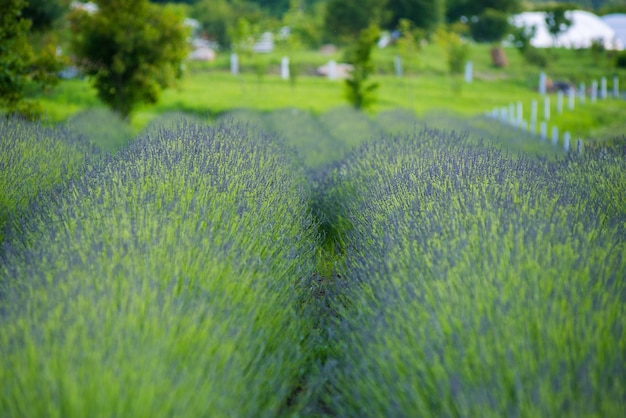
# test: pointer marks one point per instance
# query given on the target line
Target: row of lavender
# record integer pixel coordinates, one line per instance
(476, 284)
(177, 278)
(167, 280)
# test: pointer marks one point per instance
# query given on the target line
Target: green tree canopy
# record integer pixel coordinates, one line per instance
(490, 26)
(20, 65)
(425, 14)
(132, 48)
(468, 8)
(360, 91)
(558, 20)
(44, 13)
(345, 19)
(219, 18)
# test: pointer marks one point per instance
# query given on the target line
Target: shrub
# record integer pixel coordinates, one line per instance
(536, 57)
(359, 89)
(620, 59)
(490, 26)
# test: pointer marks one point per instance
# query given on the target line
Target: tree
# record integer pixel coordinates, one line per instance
(274, 7)
(490, 26)
(469, 8)
(345, 19)
(215, 16)
(358, 90)
(219, 18)
(20, 65)
(457, 52)
(558, 20)
(408, 44)
(132, 48)
(44, 13)
(305, 26)
(425, 14)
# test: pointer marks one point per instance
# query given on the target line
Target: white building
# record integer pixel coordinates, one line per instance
(585, 29)
(617, 21)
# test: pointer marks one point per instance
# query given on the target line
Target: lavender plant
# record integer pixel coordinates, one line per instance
(34, 160)
(165, 281)
(476, 284)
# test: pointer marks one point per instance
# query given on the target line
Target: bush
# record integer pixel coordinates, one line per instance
(535, 56)
(620, 59)
(490, 26)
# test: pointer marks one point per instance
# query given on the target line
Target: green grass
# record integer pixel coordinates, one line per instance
(208, 90)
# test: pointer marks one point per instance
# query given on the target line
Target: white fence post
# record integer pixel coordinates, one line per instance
(234, 64)
(603, 88)
(468, 72)
(559, 102)
(518, 122)
(542, 83)
(397, 65)
(566, 139)
(332, 69)
(594, 91)
(581, 93)
(615, 86)
(555, 136)
(571, 95)
(546, 108)
(284, 68)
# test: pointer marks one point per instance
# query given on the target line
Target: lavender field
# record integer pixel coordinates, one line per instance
(290, 264)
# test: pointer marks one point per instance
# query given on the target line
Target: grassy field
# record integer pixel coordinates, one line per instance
(209, 90)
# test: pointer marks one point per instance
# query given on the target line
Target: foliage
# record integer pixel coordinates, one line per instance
(536, 56)
(521, 37)
(215, 16)
(359, 90)
(305, 27)
(456, 50)
(425, 14)
(21, 65)
(597, 48)
(408, 43)
(558, 19)
(468, 8)
(490, 26)
(44, 13)
(220, 19)
(620, 59)
(345, 19)
(166, 281)
(475, 283)
(133, 49)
